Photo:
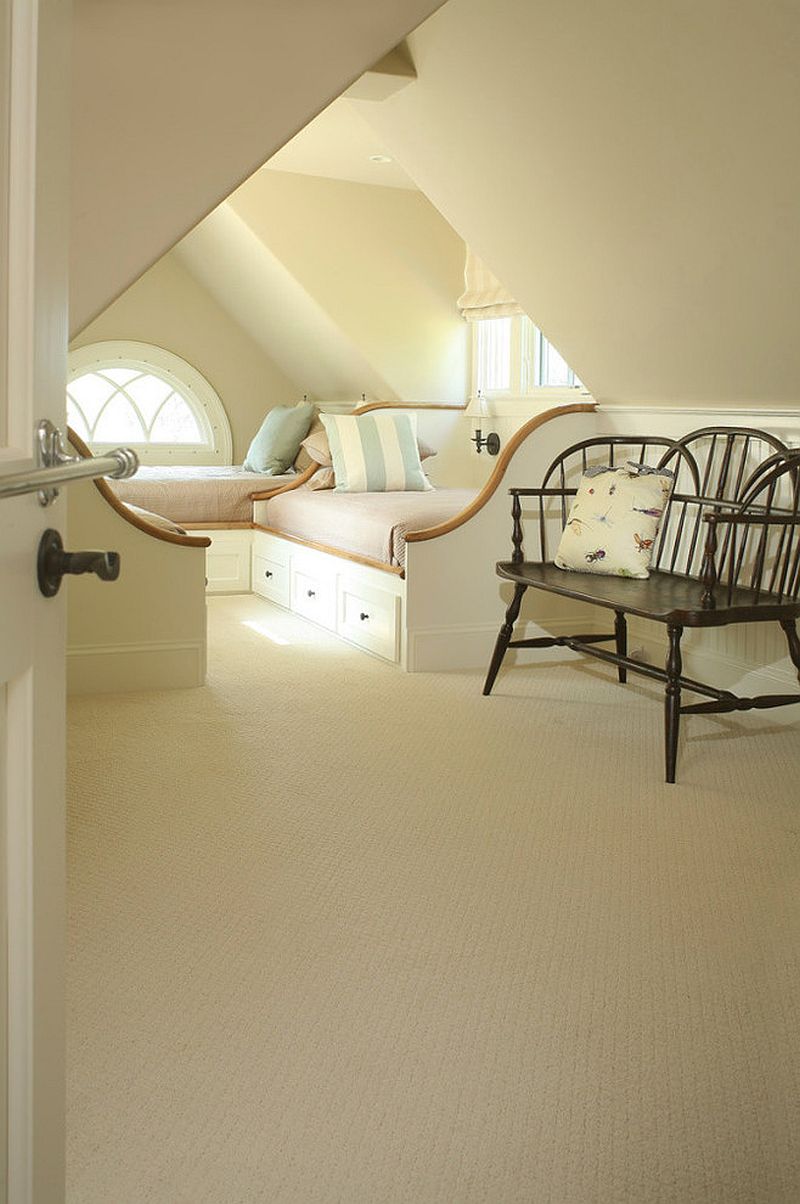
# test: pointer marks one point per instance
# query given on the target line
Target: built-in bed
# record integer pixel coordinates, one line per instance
(406, 576)
(197, 494)
(369, 525)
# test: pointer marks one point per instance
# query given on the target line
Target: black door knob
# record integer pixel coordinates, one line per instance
(53, 562)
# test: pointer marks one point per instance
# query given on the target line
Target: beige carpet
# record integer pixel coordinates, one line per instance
(341, 934)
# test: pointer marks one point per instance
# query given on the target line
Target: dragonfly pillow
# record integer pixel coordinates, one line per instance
(614, 521)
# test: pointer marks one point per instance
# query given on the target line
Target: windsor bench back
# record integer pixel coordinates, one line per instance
(728, 551)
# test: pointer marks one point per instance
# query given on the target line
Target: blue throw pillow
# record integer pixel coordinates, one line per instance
(277, 443)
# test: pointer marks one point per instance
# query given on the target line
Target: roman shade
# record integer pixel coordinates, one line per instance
(484, 296)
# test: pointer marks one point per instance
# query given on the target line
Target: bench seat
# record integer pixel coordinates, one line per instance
(663, 597)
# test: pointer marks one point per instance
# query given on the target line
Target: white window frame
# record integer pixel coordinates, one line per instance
(525, 352)
(191, 384)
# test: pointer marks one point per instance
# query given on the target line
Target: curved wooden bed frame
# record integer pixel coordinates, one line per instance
(488, 489)
(130, 516)
(499, 471)
(264, 494)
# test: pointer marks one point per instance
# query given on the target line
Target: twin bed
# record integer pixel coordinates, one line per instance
(197, 494)
(372, 568)
(370, 526)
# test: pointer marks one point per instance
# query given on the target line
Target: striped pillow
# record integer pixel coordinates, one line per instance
(375, 453)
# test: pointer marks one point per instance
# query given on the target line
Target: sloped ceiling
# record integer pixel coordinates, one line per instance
(631, 171)
(349, 288)
(174, 104)
(263, 297)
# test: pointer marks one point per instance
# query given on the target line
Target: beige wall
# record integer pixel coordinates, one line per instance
(145, 631)
(169, 308)
(350, 287)
(173, 105)
(631, 172)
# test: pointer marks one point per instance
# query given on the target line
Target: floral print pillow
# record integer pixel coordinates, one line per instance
(614, 521)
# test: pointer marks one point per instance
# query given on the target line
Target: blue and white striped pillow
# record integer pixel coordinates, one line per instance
(375, 453)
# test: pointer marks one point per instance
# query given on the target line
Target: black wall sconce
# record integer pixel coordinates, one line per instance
(478, 408)
(491, 442)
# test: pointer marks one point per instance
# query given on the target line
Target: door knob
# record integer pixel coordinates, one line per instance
(53, 562)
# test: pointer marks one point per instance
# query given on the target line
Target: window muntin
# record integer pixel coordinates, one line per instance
(512, 358)
(147, 398)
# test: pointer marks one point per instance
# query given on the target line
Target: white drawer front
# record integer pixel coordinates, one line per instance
(369, 617)
(271, 580)
(228, 562)
(314, 594)
(271, 548)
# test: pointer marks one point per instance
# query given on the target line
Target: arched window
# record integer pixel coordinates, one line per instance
(146, 398)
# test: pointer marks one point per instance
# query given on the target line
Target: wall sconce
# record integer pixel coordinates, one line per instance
(478, 408)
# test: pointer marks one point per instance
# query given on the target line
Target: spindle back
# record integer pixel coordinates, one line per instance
(743, 471)
(718, 471)
(562, 478)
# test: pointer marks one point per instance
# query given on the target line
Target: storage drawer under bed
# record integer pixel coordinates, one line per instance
(368, 616)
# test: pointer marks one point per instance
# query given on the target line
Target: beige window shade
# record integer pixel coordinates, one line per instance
(484, 296)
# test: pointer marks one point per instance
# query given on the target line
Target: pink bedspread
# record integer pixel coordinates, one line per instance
(203, 494)
(366, 524)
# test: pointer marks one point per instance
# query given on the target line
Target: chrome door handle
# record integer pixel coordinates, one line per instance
(55, 467)
(53, 562)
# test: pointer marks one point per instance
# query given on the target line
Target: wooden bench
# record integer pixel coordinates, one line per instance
(728, 551)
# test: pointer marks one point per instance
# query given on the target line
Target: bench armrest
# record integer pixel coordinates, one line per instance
(733, 518)
(749, 518)
(542, 492)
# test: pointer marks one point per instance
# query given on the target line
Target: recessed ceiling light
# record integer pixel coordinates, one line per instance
(380, 159)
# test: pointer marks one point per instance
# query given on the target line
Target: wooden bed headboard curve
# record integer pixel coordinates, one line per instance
(499, 471)
(409, 405)
(130, 516)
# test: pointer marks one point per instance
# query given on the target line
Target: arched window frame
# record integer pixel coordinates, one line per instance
(191, 384)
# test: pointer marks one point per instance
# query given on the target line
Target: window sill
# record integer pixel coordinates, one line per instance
(534, 403)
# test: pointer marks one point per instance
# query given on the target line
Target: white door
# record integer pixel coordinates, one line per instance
(34, 100)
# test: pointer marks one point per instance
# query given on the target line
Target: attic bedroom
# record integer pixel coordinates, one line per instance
(431, 689)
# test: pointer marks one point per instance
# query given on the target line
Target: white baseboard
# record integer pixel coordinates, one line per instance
(120, 668)
(470, 647)
(439, 649)
(730, 670)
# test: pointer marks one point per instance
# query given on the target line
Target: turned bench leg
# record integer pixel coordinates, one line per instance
(793, 640)
(621, 633)
(672, 700)
(504, 637)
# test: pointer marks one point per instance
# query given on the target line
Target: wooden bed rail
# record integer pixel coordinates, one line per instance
(489, 488)
(130, 516)
(261, 495)
(516, 440)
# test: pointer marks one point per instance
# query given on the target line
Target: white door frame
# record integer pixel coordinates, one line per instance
(33, 276)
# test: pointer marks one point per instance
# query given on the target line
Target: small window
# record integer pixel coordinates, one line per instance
(493, 356)
(149, 399)
(552, 370)
(513, 359)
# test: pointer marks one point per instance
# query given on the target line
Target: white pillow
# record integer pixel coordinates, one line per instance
(614, 520)
(375, 452)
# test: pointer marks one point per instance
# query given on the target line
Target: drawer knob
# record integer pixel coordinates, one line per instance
(312, 593)
(363, 616)
(267, 574)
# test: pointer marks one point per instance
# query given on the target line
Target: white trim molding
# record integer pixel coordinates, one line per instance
(190, 384)
(120, 668)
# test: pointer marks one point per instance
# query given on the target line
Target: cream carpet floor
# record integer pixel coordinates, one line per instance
(342, 934)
